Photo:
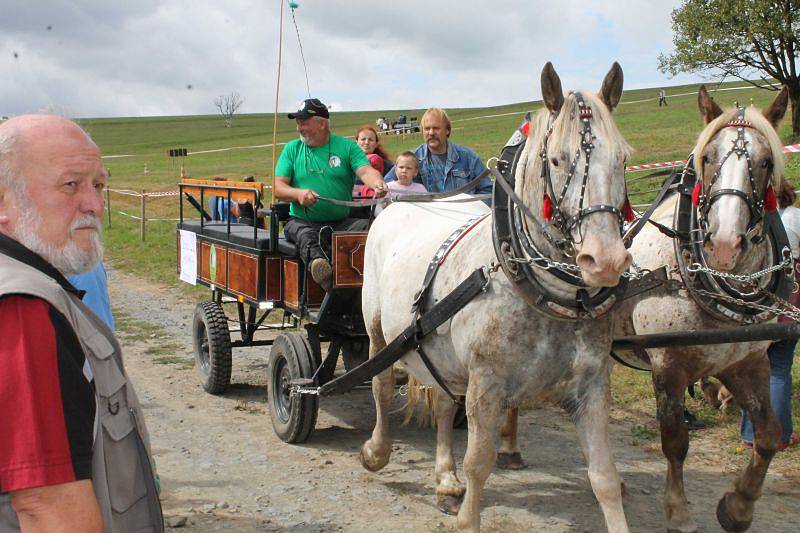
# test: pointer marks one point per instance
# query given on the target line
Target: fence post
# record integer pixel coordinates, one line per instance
(142, 214)
(108, 206)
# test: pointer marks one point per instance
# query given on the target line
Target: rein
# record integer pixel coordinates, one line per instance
(422, 197)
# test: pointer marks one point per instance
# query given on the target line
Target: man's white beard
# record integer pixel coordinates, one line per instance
(69, 259)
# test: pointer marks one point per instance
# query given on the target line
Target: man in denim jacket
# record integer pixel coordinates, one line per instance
(445, 165)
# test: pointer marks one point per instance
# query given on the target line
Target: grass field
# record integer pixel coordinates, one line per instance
(656, 134)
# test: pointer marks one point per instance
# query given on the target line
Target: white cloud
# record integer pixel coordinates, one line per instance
(104, 59)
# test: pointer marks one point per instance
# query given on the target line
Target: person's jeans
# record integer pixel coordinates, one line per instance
(781, 355)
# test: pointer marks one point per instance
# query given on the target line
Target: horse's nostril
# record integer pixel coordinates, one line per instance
(586, 262)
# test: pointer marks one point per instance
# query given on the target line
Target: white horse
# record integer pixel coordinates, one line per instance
(730, 245)
(499, 350)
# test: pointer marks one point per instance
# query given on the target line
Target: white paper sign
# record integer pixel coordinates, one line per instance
(188, 257)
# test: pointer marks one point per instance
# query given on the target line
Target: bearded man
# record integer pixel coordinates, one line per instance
(320, 164)
(72, 439)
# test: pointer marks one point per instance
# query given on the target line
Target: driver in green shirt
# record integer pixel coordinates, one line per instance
(320, 164)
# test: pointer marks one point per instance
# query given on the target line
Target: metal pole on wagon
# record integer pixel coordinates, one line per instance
(277, 94)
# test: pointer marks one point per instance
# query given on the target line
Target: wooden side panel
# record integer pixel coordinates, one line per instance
(274, 289)
(216, 262)
(243, 274)
(315, 293)
(348, 258)
(193, 186)
(291, 284)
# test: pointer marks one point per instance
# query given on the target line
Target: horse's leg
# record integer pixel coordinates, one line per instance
(748, 380)
(590, 414)
(449, 490)
(483, 414)
(509, 456)
(376, 451)
(669, 382)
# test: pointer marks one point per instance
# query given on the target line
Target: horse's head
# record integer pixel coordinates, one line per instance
(582, 174)
(739, 163)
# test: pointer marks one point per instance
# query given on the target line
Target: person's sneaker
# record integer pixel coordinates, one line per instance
(322, 273)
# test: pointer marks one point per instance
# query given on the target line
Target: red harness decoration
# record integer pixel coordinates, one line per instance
(698, 190)
(630, 216)
(547, 208)
(770, 202)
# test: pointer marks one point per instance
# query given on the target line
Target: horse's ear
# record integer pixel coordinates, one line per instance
(775, 111)
(709, 109)
(552, 95)
(611, 90)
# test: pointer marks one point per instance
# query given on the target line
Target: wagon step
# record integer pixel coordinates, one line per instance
(302, 382)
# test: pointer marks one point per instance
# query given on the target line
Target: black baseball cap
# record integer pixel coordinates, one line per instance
(311, 108)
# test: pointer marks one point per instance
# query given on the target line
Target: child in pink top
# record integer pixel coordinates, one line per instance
(406, 169)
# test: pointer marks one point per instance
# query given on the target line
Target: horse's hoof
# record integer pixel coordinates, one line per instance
(370, 462)
(726, 520)
(449, 503)
(510, 461)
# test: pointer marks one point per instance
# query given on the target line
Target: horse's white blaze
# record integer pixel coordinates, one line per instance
(729, 214)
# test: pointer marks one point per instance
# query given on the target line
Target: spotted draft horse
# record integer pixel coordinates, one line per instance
(500, 350)
(738, 163)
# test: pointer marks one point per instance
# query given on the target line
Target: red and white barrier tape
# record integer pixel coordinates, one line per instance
(790, 149)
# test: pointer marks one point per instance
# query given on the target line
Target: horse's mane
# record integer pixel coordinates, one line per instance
(760, 123)
(566, 133)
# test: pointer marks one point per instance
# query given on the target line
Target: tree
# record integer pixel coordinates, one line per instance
(739, 38)
(228, 105)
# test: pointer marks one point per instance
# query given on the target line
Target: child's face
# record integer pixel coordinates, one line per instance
(406, 170)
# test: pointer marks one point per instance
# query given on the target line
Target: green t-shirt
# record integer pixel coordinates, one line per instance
(329, 170)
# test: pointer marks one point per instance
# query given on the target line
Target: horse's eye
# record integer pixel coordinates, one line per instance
(705, 159)
(767, 163)
(554, 161)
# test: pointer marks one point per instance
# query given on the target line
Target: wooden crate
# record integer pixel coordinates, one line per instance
(348, 258)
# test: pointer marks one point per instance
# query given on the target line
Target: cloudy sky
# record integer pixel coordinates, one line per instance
(90, 58)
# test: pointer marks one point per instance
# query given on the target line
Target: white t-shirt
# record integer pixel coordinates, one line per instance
(791, 221)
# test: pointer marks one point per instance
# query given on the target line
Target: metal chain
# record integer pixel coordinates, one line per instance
(547, 264)
(783, 309)
(697, 267)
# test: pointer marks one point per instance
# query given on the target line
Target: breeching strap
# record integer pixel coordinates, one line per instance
(441, 312)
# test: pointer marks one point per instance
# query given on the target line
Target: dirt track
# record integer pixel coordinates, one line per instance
(222, 467)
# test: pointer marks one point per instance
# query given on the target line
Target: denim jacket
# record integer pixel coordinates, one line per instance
(462, 166)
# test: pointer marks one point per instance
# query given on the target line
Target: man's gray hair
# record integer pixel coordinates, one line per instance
(8, 140)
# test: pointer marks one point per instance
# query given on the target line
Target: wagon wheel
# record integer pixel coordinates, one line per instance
(355, 352)
(212, 347)
(293, 416)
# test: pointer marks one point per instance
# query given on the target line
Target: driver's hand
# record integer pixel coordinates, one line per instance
(307, 198)
(381, 190)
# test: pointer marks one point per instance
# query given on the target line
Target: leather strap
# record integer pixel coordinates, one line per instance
(442, 311)
(426, 197)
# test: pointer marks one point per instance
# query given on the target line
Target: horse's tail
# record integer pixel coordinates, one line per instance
(426, 414)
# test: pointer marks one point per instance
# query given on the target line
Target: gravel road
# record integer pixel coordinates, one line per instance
(222, 467)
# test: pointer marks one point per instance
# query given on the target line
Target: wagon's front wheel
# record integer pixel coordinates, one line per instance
(212, 347)
(293, 415)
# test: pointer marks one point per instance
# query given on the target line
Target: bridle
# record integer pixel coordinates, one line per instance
(703, 197)
(551, 202)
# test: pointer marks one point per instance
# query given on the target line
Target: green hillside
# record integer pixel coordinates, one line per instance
(656, 134)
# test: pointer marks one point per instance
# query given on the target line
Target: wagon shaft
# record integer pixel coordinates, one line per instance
(758, 332)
